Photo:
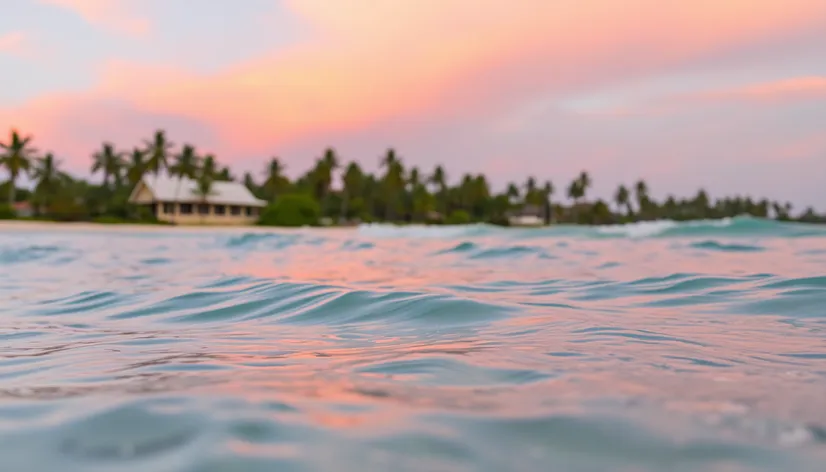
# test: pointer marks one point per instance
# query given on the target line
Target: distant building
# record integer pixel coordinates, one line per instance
(177, 201)
(433, 216)
(23, 209)
(527, 215)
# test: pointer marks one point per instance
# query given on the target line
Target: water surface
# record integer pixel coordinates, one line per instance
(657, 346)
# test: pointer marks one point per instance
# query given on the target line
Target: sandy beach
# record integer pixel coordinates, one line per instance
(28, 225)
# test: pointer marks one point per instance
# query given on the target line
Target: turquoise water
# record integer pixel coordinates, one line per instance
(659, 346)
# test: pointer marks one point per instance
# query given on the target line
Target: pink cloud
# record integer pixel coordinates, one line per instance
(14, 43)
(796, 88)
(808, 147)
(116, 15)
(418, 61)
(784, 91)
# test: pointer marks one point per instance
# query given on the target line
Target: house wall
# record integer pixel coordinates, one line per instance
(23, 210)
(526, 220)
(211, 218)
(142, 194)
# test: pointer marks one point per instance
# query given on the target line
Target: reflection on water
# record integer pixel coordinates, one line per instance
(413, 349)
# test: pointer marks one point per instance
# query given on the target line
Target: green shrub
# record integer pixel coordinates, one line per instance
(458, 217)
(67, 210)
(291, 210)
(144, 215)
(109, 219)
(7, 212)
(499, 220)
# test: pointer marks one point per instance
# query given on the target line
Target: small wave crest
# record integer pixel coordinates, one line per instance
(302, 303)
(711, 245)
(476, 251)
(381, 230)
(13, 254)
(743, 226)
(726, 227)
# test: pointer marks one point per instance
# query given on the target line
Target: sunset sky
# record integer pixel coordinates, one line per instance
(729, 95)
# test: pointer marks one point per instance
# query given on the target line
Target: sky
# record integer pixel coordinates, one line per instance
(727, 95)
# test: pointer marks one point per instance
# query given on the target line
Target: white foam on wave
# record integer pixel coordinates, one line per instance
(642, 229)
(382, 230)
(647, 229)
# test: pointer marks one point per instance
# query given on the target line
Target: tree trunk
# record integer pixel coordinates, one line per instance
(156, 186)
(175, 206)
(12, 189)
(388, 212)
(548, 212)
(344, 204)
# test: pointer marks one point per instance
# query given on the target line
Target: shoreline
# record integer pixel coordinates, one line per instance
(16, 225)
(24, 225)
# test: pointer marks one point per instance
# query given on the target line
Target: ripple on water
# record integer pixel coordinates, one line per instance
(653, 347)
(452, 372)
(711, 245)
(30, 253)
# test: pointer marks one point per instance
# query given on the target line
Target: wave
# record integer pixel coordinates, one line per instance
(365, 237)
(381, 230)
(475, 251)
(12, 254)
(711, 245)
(243, 299)
(741, 226)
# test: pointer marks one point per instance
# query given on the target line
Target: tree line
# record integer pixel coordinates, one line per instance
(397, 193)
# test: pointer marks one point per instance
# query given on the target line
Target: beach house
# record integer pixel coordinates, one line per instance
(177, 200)
(526, 215)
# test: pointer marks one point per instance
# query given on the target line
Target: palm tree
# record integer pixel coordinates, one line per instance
(393, 181)
(389, 160)
(157, 151)
(623, 199)
(422, 202)
(249, 182)
(330, 159)
(353, 181)
(108, 161)
(641, 189)
(47, 176)
(209, 167)
(575, 191)
(185, 166)
(323, 176)
(479, 196)
(439, 180)
(413, 181)
(225, 175)
(700, 203)
(530, 191)
(16, 158)
(274, 179)
(415, 178)
(547, 191)
(136, 167)
(584, 183)
(203, 189)
(512, 192)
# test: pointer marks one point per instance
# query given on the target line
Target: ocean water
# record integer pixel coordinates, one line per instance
(658, 346)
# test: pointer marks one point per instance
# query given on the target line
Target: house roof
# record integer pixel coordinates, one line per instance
(173, 189)
(526, 210)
